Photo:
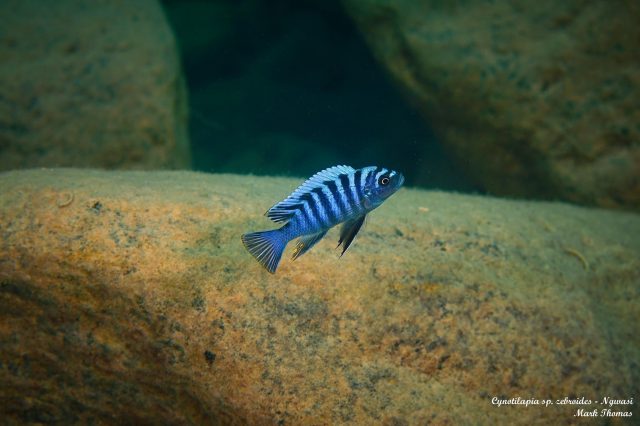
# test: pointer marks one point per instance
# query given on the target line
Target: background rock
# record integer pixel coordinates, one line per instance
(129, 296)
(90, 84)
(290, 87)
(535, 98)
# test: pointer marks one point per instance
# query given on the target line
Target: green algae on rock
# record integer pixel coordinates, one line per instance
(128, 296)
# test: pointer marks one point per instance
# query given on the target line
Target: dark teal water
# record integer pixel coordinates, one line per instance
(289, 88)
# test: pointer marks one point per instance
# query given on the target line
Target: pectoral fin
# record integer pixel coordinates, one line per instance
(349, 231)
(306, 242)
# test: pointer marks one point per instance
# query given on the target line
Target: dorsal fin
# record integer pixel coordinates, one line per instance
(281, 211)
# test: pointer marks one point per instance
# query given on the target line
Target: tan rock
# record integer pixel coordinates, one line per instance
(536, 98)
(90, 84)
(128, 296)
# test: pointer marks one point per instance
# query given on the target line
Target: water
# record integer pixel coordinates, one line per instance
(126, 296)
(290, 88)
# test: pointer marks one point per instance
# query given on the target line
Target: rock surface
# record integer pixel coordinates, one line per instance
(90, 84)
(128, 296)
(535, 98)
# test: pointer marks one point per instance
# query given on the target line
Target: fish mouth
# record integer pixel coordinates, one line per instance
(401, 180)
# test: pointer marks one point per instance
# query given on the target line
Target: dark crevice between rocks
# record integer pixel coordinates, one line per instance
(288, 88)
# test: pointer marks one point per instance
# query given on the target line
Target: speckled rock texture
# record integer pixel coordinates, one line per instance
(127, 297)
(90, 84)
(536, 98)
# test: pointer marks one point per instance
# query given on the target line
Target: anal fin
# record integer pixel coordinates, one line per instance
(349, 231)
(306, 242)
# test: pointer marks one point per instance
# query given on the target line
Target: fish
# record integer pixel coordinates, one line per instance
(336, 195)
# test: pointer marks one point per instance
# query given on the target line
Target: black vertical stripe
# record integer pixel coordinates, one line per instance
(317, 219)
(376, 171)
(304, 216)
(357, 177)
(337, 198)
(372, 175)
(344, 181)
(293, 208)
(325, 204)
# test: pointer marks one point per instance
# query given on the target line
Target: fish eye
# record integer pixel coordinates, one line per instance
(384, 181)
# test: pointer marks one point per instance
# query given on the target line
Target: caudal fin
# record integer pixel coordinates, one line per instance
(266, 247)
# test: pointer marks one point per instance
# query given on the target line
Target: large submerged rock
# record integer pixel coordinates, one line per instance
(90, 84)
(536, 98)
(128, 296)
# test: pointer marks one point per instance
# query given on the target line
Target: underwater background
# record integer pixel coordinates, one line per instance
(287, 88)
(140, 139)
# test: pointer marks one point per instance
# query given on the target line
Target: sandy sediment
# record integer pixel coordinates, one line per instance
(129, 296)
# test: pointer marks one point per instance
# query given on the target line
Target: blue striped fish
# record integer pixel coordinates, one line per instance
(339, 194)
